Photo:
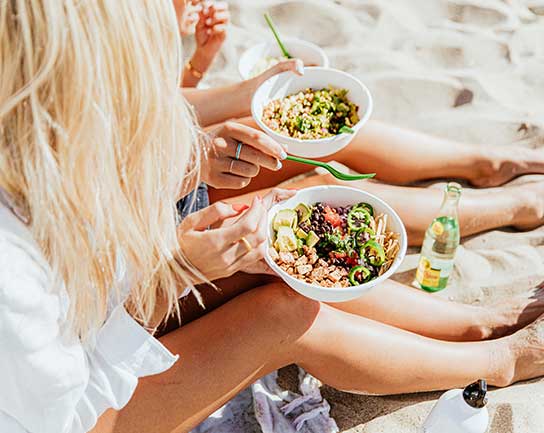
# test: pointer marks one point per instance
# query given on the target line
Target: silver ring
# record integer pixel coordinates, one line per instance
(239, 150)
(232, 161)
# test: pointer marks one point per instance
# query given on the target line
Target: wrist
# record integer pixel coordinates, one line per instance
(201, 60)
(245, 90)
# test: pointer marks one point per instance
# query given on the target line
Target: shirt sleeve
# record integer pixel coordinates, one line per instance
(50, 382)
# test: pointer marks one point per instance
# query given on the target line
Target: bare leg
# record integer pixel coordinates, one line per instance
(397, 305)
(266, 328)
(521, 206)
(402, 156)
(413, 310)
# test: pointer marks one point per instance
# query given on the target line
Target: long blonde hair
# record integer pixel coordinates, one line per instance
(95, 141)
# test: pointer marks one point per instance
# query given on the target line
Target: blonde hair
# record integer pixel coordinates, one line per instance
(95, 140)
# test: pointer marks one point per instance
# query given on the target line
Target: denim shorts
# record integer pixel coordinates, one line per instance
(194, 201)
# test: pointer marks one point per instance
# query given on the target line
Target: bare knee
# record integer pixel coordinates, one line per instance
(287, 310)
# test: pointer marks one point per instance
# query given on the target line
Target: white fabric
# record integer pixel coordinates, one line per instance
(49, 381)
(267, 408)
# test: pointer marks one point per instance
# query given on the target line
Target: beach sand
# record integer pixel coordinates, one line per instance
(417, 57)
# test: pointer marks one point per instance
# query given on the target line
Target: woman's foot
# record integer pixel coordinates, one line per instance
(511, 314)
(527, 352)
(500, 165)
(530, 212)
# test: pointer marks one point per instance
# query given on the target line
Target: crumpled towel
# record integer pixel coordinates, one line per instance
(274, 410)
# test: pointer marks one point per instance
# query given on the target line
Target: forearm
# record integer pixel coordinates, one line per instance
(219, 104)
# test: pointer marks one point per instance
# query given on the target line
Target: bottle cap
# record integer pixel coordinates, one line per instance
(475, 394)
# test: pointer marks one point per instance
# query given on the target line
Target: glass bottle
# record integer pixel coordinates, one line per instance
(441, 241)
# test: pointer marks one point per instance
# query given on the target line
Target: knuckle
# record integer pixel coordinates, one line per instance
(221, 208)
(229, 126)
(253, 170)
(261, 237)
(247, 225)
(262, 250)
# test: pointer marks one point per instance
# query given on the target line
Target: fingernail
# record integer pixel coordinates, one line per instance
(240, 207)
(283, 154)
(300, 67)
(279, 165)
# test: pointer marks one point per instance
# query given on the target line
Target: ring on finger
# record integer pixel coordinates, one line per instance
(238, 150)
(231, 166)
(247, 244)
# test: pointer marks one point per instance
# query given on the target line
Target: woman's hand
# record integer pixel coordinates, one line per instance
(187, 13)
(224, 239)
(212, 19)
(236, 155)
(211, 29)
(292, 65)
(218, 104)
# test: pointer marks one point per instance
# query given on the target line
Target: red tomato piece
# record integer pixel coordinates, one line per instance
(332, 217)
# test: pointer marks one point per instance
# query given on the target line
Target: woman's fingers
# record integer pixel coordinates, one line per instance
(238, 167)
(251, 155)
(255, 138)
(293, 65)
(276, 195)
(231, 181)
(219, 28)
(247, 224)
(219, 17)
(204, 218)
(251, 258)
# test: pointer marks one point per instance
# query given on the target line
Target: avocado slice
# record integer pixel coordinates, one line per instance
(301, 234)
(312, 239)
(304, 212)
(286, 240)
(300, 245)
(285, 217)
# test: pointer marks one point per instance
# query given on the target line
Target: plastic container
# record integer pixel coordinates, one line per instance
(310, 54)
(288, 83)
(460, 411)
(337, 196)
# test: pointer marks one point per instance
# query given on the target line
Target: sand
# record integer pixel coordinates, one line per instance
(420, 57)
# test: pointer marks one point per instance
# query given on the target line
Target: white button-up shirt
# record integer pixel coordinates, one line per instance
(49, 381)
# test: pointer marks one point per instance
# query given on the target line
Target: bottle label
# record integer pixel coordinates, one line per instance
(431, 270)
(437, 228)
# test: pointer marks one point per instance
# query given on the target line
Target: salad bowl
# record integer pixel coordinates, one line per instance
(287, 83)
(336, 196)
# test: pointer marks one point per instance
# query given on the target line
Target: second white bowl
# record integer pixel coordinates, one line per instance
(287, 83)
(310, 54)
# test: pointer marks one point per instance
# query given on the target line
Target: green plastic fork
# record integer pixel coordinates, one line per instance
(337, 174)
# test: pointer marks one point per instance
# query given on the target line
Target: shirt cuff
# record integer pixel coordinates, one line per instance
(124, 343)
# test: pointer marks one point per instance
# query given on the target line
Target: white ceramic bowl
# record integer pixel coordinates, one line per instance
(337, 196)
(288, 83)
(309, 53)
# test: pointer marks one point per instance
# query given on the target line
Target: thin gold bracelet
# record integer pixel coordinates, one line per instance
(194, 72)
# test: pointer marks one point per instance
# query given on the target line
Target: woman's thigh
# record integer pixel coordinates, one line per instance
(213, 297)
(221, 353)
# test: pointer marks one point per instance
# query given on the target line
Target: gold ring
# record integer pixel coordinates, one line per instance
(232, 161)
(247, 244)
